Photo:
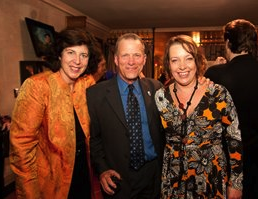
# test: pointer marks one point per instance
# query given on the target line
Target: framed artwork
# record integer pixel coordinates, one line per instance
(29, 68)
(42, 36)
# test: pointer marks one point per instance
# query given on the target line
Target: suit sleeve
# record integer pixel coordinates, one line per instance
(96, 149)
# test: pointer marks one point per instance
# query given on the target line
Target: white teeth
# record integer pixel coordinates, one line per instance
(183, 74)
(75, 68)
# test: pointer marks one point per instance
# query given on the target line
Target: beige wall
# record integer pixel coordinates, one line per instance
(16, 44)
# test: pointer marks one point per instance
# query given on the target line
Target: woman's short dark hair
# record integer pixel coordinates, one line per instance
(68, 38)
(242, 36)
(190, 46)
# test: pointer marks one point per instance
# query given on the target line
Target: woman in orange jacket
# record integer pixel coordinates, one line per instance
(49, 133)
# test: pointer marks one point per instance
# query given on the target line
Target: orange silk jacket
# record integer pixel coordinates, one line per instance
(42, 136)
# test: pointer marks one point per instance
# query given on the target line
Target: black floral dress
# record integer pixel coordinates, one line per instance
(200, 161)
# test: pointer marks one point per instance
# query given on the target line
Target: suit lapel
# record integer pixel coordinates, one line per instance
(147, 95)
(115, 101)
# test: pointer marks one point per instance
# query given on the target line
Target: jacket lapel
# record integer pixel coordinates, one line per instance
(148, 96)
(115, 101)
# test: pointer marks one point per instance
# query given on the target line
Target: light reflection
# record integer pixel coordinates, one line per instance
(196, 38)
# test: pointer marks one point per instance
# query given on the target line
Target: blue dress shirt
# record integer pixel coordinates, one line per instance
(150, 153)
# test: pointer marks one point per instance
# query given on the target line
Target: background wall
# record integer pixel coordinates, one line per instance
(16, 44)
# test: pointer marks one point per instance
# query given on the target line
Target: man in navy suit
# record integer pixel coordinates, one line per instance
(109, 141)
(239, 76)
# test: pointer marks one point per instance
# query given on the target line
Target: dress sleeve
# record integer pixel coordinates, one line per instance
(233, 140)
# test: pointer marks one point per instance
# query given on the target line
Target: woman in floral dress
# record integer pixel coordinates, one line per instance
(203, 153)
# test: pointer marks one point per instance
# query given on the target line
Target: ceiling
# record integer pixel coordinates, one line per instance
(135, 14)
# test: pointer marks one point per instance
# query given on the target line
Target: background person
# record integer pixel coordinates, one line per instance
(5, 121)
(239, 76)
(110, 138)
(49, 132)
(197, 118)
(97, 66)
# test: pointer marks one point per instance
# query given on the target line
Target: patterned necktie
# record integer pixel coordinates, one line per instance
(133, 117)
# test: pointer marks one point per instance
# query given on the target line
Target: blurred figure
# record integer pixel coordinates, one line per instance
(165, 79)
(197, 119)
(49, 134)
(97, 66)
(239, 76)
(5, 122)
(141, 75)
(220, 60)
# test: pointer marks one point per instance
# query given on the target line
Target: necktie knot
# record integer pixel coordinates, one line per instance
(130, 87)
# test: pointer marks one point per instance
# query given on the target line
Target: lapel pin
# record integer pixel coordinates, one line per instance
(149, 93)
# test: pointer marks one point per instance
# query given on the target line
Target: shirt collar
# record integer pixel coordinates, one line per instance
(123, 85)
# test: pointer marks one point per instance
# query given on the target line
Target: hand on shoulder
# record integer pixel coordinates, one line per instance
(203, 80)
